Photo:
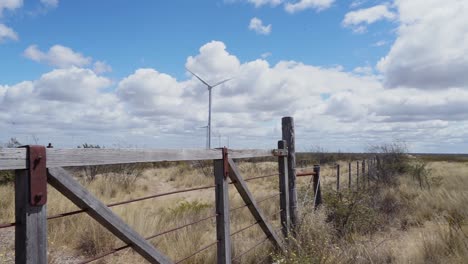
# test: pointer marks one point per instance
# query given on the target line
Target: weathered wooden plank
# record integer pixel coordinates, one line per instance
(287, 125)
(64, 183)
(15, 158)
(31, 225)
(284, 190)
(255, 153)
(247, 197)
(223, 231)
(89, 156)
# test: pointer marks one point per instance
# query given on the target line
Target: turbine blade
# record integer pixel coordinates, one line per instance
(201, 80)
(221, 82)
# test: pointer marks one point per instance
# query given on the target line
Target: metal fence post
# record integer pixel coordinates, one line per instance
(284, 190)
(223, 232)
(287, 125)
(31, 209)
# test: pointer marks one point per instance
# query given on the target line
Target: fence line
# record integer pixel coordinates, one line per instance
(35, 166)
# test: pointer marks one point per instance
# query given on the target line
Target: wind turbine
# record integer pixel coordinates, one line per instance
(210, 87)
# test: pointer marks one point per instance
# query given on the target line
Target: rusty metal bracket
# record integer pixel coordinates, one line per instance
(36, 156)
(226, 163)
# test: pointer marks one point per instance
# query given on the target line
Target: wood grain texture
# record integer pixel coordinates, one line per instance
(61, 180)
(284, 190)
(31, 225)
(15, 158)
(247, 197)
(287, 126)
(223, 230)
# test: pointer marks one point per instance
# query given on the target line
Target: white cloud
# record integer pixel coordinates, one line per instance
(301, 5)
(101, 67)
(148, 103)
(366, 70)
(266, 55)
(57, 56)
(431, 49)
(149, 92)
(71, 85)
(213, 62)
(259, 3)
(380, 43)
(357, 3)
(358, 18)
(10, 5)
(51, 3)
(256, 25)
(7, 33)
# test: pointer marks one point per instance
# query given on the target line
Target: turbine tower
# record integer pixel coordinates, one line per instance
(210, 87)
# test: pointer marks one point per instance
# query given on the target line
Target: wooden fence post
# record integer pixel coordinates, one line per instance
(317, 188)
(223, 231)
(369, 161)
(284, 190)
(363, 173)
(337, 177)
(357, 175)
(349, 175)
(31, 217)
(287, 125)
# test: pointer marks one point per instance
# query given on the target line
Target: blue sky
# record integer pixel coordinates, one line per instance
(113, 72)
(161, 34)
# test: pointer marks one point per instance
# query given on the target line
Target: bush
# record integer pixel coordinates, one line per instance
(392, 161)
(351, 212)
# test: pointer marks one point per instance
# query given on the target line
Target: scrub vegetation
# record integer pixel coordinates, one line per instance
(415, 211)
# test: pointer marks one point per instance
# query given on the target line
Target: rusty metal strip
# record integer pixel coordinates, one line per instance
(36, 156)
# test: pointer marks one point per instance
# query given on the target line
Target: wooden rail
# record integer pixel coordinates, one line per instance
(31, 218)
(16, 159)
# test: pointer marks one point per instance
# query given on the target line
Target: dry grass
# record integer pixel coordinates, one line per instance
(409, 224)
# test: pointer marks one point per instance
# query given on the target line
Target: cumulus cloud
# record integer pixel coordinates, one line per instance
(57, 56)
(213, 62)
(7, 33)
(431, 48)
(300, 5)
(10, 5)
(101, 67)
(70, 85)
(359, 18)
(257, 25)
(247, 109)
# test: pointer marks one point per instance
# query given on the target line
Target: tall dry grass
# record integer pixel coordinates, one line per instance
(398, 223)
(75, 238)
(402, 223)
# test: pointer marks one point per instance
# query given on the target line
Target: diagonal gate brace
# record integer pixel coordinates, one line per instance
(244, 192)
(61, 180)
